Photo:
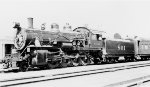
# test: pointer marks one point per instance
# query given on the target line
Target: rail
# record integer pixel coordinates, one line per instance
(48, 77)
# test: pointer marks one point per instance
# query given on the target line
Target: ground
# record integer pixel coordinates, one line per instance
(94, 80)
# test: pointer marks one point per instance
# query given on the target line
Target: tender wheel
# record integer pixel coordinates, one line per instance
(110, 60)
(41, 68)
(127, 59)
(134, 59)
(116, 60)
(23, 66)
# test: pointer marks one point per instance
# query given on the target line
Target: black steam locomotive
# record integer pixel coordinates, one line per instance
(82, 46)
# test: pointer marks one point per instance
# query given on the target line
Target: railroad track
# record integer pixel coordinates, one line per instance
(48, 77)
(132, 82)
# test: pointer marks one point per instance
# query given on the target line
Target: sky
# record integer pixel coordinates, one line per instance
(127, 17)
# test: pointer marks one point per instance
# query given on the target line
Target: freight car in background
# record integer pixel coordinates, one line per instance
(62, 48)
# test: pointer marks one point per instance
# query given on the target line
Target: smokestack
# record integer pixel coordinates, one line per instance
(30, 23)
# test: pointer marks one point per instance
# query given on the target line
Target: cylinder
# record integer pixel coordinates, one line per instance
(30, 23)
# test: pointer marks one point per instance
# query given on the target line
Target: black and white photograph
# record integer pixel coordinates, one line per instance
(74, 43)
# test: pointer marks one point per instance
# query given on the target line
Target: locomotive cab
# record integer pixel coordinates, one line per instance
(93, 38)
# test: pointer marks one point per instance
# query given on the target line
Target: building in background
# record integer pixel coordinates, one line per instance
(6, 46)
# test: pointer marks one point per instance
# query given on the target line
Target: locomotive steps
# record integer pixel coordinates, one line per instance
(45, 75)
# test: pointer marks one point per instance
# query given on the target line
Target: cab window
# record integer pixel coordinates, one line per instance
(94, 37)
(98, 37)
